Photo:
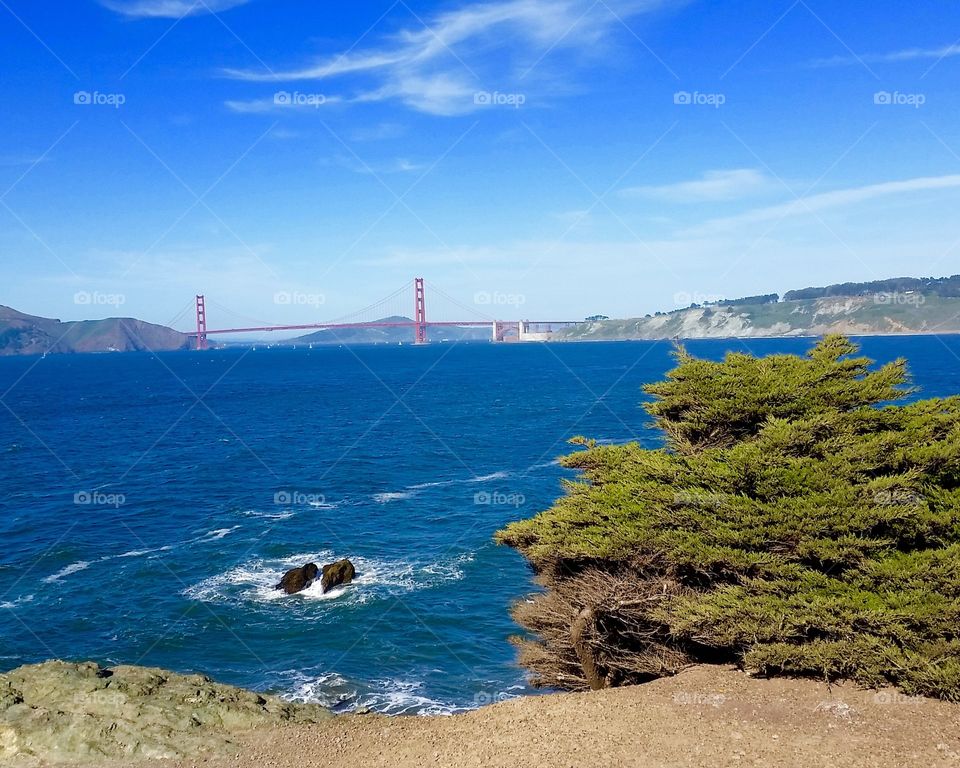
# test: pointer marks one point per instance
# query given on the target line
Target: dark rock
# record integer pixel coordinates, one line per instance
(335, 574)
(298, 579)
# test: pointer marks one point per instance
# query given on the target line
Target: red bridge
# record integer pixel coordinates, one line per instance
(500, 330)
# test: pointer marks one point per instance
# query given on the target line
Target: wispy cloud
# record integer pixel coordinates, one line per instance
(840, 198)
(892, 57)
(437, 65)
(713, 186)
(308, 102)
(169, 9)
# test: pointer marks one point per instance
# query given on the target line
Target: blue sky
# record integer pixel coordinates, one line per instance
(569, 156)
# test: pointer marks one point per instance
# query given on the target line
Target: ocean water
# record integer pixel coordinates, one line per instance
(150, 503)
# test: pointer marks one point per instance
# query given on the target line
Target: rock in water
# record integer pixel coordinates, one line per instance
(57, 712)
(335, 574)
(298, 579)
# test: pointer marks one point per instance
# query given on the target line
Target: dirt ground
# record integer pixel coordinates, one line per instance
(705, 717)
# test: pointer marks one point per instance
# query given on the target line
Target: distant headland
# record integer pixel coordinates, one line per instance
(905, 305)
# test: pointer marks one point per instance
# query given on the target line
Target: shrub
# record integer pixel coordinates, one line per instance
(797, 521)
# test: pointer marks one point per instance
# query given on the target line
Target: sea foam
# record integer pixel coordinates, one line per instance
(64, 572)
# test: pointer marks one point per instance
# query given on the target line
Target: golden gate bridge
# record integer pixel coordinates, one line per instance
(500, 330)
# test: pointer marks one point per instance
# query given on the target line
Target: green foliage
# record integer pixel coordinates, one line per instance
(809, 526)
(927, 286)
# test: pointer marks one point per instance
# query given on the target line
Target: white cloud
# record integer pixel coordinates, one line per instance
(840, 198)
(711, 187)
(309, 102)
(169, 9)
(437, 65)
(893, 57)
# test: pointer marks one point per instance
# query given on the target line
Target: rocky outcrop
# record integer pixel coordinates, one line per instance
(335, 574)
(59, 711)
(298, 579)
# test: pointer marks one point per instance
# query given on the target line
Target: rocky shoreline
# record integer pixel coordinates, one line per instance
(60, 711)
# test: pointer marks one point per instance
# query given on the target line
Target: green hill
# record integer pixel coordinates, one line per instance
(22, 334)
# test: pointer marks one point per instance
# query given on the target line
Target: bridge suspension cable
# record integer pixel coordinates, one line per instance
(469, 310)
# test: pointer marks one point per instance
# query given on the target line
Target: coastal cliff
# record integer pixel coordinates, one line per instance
(866, 315)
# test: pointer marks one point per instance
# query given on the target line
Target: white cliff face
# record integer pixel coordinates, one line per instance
(825, 309)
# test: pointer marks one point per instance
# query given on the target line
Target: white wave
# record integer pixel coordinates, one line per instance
(435, 484)
(142, 552)
(329, 690)
(545, 464)
(285, 515)
(256, 580)
(488, 478)
(218, 533)
(15, 603)
(451, 570)
(64, 572)
(401, 697)
(393, 577)
(389, 697)
(136, 553)
(386, 498)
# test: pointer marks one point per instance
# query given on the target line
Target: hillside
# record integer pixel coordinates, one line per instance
(864, 315)
(22, 334)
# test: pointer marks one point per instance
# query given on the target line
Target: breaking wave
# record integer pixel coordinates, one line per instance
(64, 572)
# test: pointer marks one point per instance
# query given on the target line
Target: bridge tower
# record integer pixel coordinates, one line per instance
(201, 323)
(420, 312)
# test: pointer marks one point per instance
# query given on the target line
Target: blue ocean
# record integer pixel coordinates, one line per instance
(151, 502)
